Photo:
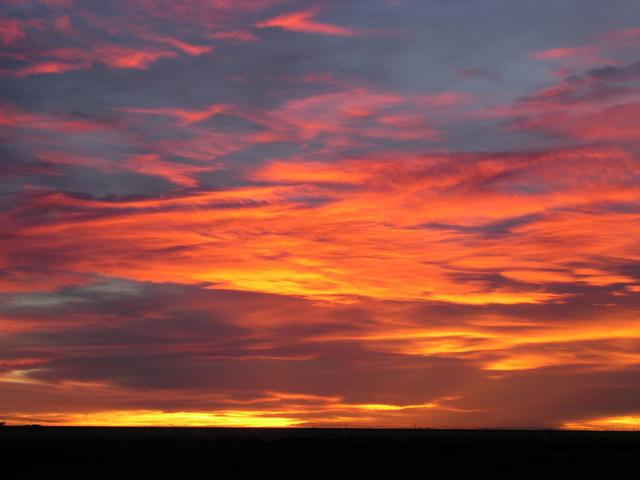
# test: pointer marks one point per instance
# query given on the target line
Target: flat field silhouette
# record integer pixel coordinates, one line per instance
(93, 452)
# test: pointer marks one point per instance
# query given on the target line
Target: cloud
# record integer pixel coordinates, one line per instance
(72, 58)
(185, 116)
(184, 47)
(303, 21)
(205, 222)
(584, 55)
(598, 52)
(240, 36)
(368, 212)
(178, 173)
(10, 31)
(596, 105)
(169, 353)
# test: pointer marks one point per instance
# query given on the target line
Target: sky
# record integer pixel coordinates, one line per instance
(294, 213)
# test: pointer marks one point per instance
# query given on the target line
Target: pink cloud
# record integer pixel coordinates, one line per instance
(303, 22)
(185, 116)
(64, 25)
(185, 47)
(623, 38)
(593, 53)
(615, 123)
(123, 57)
(584, 55)
(178, 173)
(75, 58)
(44, 68)
(13, 117)
(10, 31)
(238, 36)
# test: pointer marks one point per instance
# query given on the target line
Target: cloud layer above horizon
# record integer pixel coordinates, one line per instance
(276, 213)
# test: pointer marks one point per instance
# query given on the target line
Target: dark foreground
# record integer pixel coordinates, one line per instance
(316, 453)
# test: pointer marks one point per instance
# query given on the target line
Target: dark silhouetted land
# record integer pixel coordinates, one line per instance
(316, 453)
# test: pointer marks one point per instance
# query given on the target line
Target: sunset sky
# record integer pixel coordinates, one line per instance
(286, 212)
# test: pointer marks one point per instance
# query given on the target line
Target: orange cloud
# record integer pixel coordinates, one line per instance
(627, 422)
(391, 214)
